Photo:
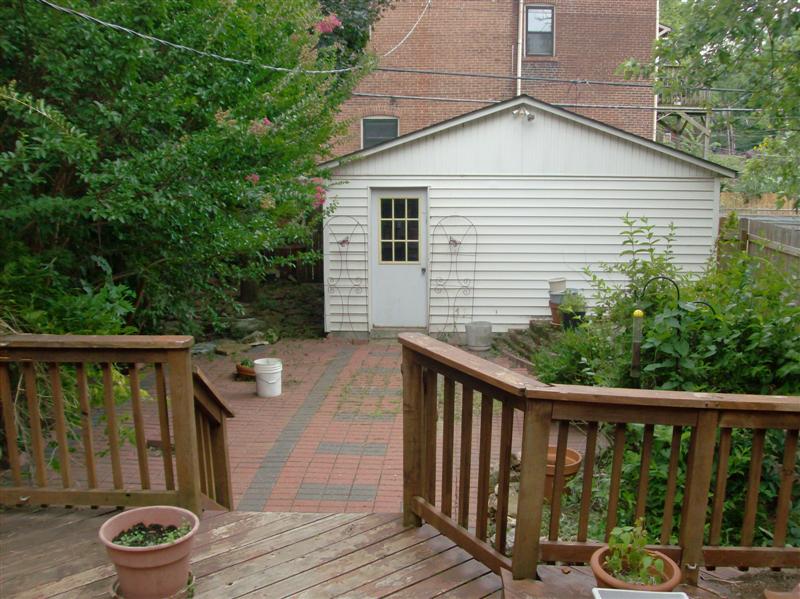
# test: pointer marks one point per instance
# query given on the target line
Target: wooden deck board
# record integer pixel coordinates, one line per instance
(241, 554)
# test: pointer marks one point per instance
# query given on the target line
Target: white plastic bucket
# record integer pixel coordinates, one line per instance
(479, 335)
(268, 376)
(558, 285)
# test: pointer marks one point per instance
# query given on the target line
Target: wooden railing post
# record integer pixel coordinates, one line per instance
(412, 436)
(187, 455)
(533, 469)
(696, 496)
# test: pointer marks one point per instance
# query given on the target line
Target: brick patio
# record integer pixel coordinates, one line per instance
(332, 442)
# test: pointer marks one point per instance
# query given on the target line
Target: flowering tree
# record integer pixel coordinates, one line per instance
(144, 180)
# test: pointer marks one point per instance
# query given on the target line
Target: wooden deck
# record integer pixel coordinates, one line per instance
(55, 553)
(50, 552)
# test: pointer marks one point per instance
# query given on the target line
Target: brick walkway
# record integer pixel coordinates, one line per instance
(332, 442)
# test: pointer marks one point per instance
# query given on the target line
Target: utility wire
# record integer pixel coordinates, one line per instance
(563, 105)
(408, 35)
(544, 79)
(215, 56)
(229, 59)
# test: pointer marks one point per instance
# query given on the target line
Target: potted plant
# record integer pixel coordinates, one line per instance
(572, 463)
(246, 368)
(572, 308)
(150, 549)
(626, 563)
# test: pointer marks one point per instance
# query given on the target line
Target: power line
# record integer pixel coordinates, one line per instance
(544, 79)
(215, 56)
(560, 105)
(408, 35)
(432, 98)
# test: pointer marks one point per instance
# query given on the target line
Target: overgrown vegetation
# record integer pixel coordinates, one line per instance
(746, 340)
(141, 183)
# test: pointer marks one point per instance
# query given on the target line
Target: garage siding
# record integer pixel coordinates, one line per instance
(527, 231)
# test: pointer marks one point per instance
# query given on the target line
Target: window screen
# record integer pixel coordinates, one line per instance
(375, 131)
(540, 32)
(399, 234)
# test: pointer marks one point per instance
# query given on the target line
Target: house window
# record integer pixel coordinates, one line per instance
(376, 130)
(539, 41)
(399, 234)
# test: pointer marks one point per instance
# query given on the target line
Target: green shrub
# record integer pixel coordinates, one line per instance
(746, 340)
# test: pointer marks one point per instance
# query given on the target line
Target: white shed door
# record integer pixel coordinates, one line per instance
(398, 238)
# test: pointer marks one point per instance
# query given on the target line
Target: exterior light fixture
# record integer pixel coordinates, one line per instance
(523, 111)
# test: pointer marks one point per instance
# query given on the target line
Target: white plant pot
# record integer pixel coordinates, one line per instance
(558, 285)
(479, 335)
(623, 594)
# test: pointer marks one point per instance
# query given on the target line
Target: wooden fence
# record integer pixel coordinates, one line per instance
(776, 240)
(710, 418)
(58, 387)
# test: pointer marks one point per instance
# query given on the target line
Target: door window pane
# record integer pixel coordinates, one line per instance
(413, 230)
(399, 233)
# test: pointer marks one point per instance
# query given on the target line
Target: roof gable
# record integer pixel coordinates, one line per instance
(525, 108)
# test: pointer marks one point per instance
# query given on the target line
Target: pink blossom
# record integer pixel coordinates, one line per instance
(260, 126)
(328, 24)
(319, 197)
(254, 178)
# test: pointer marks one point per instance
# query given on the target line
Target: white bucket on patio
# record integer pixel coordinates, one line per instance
(268, 376)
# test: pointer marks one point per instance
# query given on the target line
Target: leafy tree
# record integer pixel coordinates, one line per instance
(147, 181)
(749, 44)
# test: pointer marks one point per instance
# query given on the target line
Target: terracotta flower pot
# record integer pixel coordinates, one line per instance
(245, 371)
(672, 574)
(572, 461)
(555, 314)
(150, 572)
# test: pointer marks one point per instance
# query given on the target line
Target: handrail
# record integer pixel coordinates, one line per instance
(709, 417)
(47, 382)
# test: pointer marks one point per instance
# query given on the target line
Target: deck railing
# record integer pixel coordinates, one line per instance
(69, 401)
(706, 419)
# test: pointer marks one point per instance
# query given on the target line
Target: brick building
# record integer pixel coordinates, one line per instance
(561, 39)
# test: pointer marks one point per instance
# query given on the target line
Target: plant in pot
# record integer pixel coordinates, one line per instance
(626, 563)
(150, 548)
(246, 369)
(572, 308)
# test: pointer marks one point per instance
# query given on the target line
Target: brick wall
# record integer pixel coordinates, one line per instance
(479, 36)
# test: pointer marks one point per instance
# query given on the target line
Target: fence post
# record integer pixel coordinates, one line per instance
(704, 438)
(187, 456)
(412, 436)
(533, 468)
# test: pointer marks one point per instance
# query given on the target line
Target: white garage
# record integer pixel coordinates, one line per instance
(468, 219)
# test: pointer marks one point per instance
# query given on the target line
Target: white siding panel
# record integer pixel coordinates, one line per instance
(501, 144)
(346, 263)
(529, 232)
